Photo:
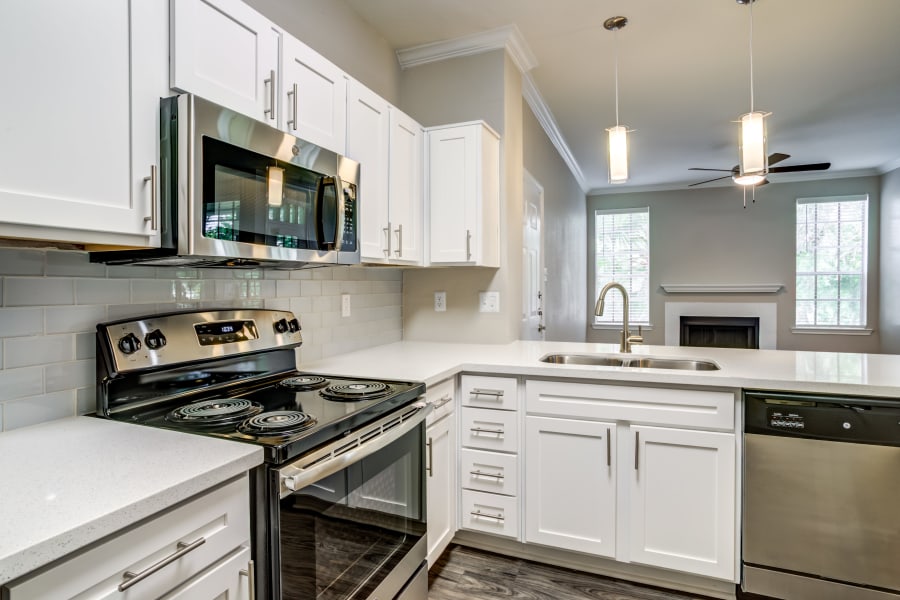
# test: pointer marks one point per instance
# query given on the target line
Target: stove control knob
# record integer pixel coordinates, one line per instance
(281, 325)
(155, 339)
(294, 325)
(129, 344)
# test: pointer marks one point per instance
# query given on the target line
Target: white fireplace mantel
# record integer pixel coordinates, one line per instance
(766, 311)
(721, 288)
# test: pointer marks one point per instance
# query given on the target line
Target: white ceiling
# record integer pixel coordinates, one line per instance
(828, 71)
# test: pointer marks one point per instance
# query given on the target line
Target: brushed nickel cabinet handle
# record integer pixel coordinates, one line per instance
(444, 400)
(250, 574)
(293, 96)
(429, 467)
(387, 234)
(479, 473)
(477, 430)
(608, 449)
(399, 231)
(484, 392)
(153, 198)
(271, 83)
(637, 448)
(498, 517)
(468, 244)
(130, 578)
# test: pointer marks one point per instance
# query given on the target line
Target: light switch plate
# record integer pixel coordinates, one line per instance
(440, 301)
(489, 302)
(345, 305)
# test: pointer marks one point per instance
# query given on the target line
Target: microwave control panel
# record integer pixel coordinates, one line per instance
(348, 234)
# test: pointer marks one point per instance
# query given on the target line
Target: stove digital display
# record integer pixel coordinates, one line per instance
(225, 332)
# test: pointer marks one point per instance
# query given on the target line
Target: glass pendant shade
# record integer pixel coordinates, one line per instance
(275, 185)
(618, 154)
(754, 162)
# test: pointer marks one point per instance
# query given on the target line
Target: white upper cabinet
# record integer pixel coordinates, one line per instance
(315, 97)
(389, 147)
(80, 120)
(464, 194)
(226, 52)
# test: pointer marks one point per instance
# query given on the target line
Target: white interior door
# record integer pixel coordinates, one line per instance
(532, 327)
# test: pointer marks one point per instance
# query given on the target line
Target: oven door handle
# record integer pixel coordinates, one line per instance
(295, 477)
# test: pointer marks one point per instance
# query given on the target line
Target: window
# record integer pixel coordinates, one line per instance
(831, 262)
(622, 254)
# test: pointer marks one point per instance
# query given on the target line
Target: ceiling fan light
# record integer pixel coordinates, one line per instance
(752, 148)
(618, 154)
(750, 179)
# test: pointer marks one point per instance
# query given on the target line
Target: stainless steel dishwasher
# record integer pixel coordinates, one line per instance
(821, 510)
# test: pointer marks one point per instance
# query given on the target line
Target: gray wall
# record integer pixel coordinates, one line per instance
(705, 236)
(565, 234)
(337, 32)
(890, 262)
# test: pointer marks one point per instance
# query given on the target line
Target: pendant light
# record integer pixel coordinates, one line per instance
(618, 135)
(753, 160)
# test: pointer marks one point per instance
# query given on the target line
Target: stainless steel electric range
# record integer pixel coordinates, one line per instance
(339, 505)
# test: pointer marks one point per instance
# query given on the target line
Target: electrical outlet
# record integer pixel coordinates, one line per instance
(345, 305)
(440, 301)
(489, 302)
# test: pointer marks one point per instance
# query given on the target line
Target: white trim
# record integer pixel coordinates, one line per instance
(721, 288)
(833, 330)
(542, 113)
(766, 311)
(891, 165)
(618, 326)
(507, 37)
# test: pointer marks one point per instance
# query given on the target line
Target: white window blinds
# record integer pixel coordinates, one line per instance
(831, 261)
(622, 254)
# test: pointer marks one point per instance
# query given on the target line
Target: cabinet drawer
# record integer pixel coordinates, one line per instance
(651, 405)
(489, 429)
(491, 513)
(489, 471)
(441, 396)
(489, 392)
(220, 518)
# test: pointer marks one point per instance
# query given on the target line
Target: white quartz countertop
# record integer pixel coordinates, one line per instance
(810, 372)
(73, 481)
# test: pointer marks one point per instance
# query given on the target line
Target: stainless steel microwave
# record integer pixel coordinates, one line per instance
(235, 192)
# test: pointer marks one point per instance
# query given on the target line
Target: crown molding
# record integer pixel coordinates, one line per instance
(542, 112)
(889, 166)
(508, 37)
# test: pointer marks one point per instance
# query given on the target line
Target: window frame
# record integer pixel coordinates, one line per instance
(857, 329)
(617, 324)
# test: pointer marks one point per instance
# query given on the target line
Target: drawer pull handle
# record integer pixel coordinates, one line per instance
(498, 517)
(497, 476)
(443, 401)
(477, 430)
(250, 574)
(131, 578)
(482, 392)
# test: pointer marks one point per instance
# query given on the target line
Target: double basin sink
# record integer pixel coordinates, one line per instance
(605, 360)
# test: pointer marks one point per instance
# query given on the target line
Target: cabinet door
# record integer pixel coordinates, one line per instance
(441, 492)
(226, 52)
(74, 153)
(317, 110)
(453, 157)
(406, 191)
(570, 484)
(368, 125)
(682, 500)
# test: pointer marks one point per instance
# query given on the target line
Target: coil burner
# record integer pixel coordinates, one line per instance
(277, 422)
(362, 390)
(302, 383)
(214, 413)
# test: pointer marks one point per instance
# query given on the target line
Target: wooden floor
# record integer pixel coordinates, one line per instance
(464, 573)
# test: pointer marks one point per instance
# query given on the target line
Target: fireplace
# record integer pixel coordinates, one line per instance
(720, 332)
(764, 312)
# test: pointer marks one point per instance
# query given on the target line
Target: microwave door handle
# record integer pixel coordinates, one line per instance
(340, 200)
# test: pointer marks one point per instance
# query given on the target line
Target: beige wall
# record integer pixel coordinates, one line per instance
(890, 262)
(705, 236)
(482, 87)
(565, 234)
(337, 32)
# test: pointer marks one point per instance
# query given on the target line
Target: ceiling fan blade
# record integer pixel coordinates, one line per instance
(709, 181)
(796, 168)
(777, 157)
(702, 169)
(763, 182)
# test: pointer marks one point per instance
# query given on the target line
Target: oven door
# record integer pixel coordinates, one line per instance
(351, 516)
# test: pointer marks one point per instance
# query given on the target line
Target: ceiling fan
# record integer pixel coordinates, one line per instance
(773, 159)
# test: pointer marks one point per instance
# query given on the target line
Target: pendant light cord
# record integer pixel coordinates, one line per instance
(616, 53)
(751, 55)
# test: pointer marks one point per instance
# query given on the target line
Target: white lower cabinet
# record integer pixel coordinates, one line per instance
(683, 500)
(490, 513)
(570, 484)
(440, 467)
(200, 549)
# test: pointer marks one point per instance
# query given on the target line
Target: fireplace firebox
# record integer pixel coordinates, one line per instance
(720, 332)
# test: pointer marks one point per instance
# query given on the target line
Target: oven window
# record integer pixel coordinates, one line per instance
(251, 198)
(340, 537)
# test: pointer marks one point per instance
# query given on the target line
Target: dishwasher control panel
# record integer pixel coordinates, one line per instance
(779, 418)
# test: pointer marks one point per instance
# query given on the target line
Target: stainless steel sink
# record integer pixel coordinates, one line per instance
(603, 360)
